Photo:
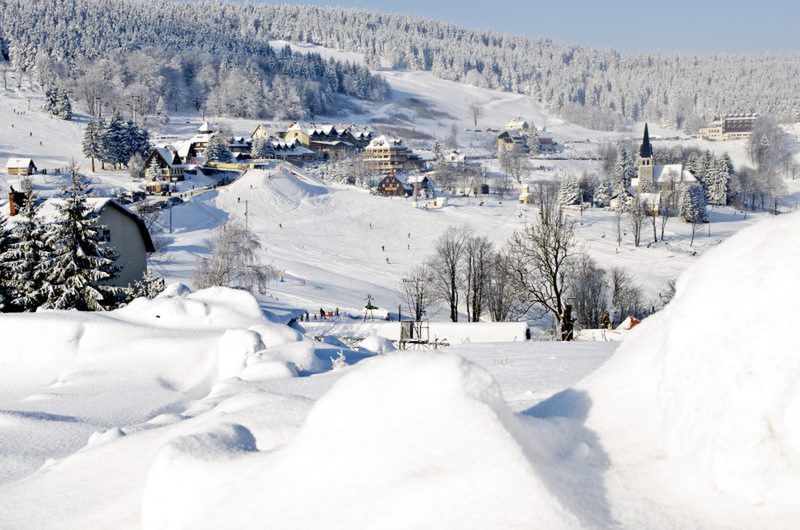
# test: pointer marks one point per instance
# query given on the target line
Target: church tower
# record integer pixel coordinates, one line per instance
(646, 163)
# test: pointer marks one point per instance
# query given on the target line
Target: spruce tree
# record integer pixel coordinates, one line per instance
(63, 105)
(5, 269)
(81, 260)
(693, 204)
(93, 141)
(568, 190)
(27, 257)
(218, 150)
(149, 286)
(262, 148)
(161, 111)
(604, 192)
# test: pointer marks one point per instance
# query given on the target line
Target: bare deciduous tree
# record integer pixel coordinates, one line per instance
(475, 112)
(418, 292)
(445, 267)
(589, 291)
(502, 301)
(234, 261)
(514, 163)
(478, 257)
(540, 260)
(636, 216)
(626, 297)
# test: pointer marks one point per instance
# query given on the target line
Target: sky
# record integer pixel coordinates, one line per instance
(699, 26)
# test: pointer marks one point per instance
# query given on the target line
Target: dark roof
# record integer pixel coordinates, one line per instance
(646, 149)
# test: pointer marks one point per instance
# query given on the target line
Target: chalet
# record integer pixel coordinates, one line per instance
(187, 152)
(455, 158)
(262, 132)
(423, 185)
(517, 124)
(525, 195)
(360, 137)
(730, 127)
(203, 136)
(390, 186)
(548, 145)
(385, 154)
(162, 167)
(305, 133)
(656, 177)
(623, 199)
(20, 166)
(332, 149)
(128, 234)
(240, 145)
(512, 138)
(292, 151)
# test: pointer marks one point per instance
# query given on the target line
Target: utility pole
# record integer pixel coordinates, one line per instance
(245, 214)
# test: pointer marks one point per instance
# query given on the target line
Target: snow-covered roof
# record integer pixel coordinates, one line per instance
(413, 179)
(183, 148)
(332, 143)
(168, 155)
(14, 163)
(385, 141)
(205, 128)
(360, 133)
(318, 129)
(517, 123)
(48, 212)
(673, 173)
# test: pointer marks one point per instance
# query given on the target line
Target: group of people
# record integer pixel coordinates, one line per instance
(322, 315)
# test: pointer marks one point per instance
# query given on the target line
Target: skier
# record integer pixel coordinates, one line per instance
(383, 249)
(321, 313)
(387, 259)
(306, 316)
(336, 312)
(280, 225)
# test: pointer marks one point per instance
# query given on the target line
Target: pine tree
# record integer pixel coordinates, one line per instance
(5, 268)
(27, 257)
(63, 105)
(604, 192)
(262, 148)
(113, 139)
(81, 261)
(717, 183)
(149, 286)
(93, 141)
(693, 204)
(50, 99)
(532, 140)
(161, 110)
(568, 190)
(624, 170)
(218, 150)
(153, 171)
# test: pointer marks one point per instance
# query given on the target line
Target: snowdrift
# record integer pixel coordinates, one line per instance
(404, 441)
(710, 386)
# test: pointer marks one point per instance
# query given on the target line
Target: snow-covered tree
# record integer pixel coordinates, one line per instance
(82, 262)
(693, 204)
(624, 170)
(153, 171)
(218, 150)
(262, 148)
(161, 111)
(63, 106)
(5, 269)
(149, 286)
(93, 141)
(27, 256)
(603, 192)
(568, 190)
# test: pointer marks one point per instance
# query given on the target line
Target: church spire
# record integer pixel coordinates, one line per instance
(646, 149)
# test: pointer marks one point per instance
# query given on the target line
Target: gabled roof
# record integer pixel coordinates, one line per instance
(49, 214)
(14, 163)
(168, 154)
(205, 128)
(184, 149)
(673, 173)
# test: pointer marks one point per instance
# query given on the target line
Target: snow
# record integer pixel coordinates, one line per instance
(400, 443)
(376, 344)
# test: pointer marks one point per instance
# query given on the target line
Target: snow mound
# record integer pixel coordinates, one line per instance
(301, 356)
(181, 467)
(264, 371)
(403, 441)
(175, 289)
(275, 334)
(235, 348)
(712, 383)
(377, 344)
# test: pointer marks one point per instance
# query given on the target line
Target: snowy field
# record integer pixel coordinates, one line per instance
(203, 410)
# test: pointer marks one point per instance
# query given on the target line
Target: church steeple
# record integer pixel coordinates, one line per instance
(646, 149)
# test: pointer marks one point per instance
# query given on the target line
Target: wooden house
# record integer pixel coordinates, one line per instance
(512, 138)
(20, 166)
(168, 168)
(390, 186)
(262, 132)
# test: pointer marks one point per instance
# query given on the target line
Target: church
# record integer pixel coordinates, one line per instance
(658, 178)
